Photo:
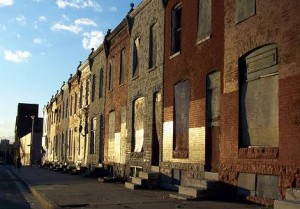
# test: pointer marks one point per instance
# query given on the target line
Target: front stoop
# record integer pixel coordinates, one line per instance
(292, 200)
(145, 180)
(286, 204)
(199, 189)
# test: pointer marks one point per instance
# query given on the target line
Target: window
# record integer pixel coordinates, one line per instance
(67, 108)
(75, 105)
(63, 110)
(244, 10)
(93, 132)
(71, 105)
(138, 125)
(176, 29)
(111, 74)
(93, 87)
(135, 65)
(80, 96)
(122, 67)
(152, 46)
(87, 91)
(101, 85)
(204, 19)
(181, 119)
(259, 97)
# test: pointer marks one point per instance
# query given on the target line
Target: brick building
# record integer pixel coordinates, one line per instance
(194, 49)
(260, 100)
(144, 110)
(116, 46)
(97, 60)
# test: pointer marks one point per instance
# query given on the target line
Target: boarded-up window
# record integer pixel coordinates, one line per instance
(92, 137)
(181, 119)
(135, 64)
(122, 67)
(176, 29)
(152, 46)
(259, 97)
(244, 9)
(213, 98)
(204, 19)
(138, 124)
(101, 85)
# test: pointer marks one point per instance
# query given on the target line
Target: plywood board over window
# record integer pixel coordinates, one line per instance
(204, 19)
(259, 97)
(138, 124)
(244, 10)
(181, 129)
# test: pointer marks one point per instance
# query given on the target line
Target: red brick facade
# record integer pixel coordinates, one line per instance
(274, 22)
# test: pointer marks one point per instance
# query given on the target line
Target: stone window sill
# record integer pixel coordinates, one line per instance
(258, 153)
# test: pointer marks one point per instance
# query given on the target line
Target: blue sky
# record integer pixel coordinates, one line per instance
(41, 44)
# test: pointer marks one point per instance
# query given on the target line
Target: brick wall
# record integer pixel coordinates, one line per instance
(149, 81)
(196, 60)
(274, 22)
(117, 97)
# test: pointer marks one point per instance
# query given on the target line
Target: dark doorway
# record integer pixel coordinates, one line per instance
(212, 138)
(156, 128)
(101, 142)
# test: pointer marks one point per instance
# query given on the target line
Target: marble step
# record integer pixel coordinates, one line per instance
(292, 194)
(286, 204)
(195, 192)
(130, 185)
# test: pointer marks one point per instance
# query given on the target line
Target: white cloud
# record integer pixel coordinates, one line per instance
(113, 9)
(65, 17)
(21, 19)
(3, 27)
(71, 28)
(92, 39)
(4, 3)
(79, 4)
(18, 36)
(42, 18)
(39, 41)
(17, 56)
(85, 21)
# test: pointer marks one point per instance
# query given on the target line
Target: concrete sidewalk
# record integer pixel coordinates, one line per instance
(57, 190)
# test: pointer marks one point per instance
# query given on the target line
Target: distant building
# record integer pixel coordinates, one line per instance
(27, 121)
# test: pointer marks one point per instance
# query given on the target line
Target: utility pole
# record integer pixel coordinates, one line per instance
(31, 140)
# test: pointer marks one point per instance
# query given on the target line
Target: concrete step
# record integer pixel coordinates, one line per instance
(138, 180)
(292, 194)
(130, 185)
(149, 175)
(155, 169)
(195, 192)
(286, 204)
(181, 197)
(211, 175)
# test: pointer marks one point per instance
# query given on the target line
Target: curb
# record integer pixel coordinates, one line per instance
(39, 196)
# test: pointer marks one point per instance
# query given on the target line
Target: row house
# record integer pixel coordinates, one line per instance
(194, 47)
(144, 97)
(196, 88)
(116, 46)
(97, 62)
(259, 148)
